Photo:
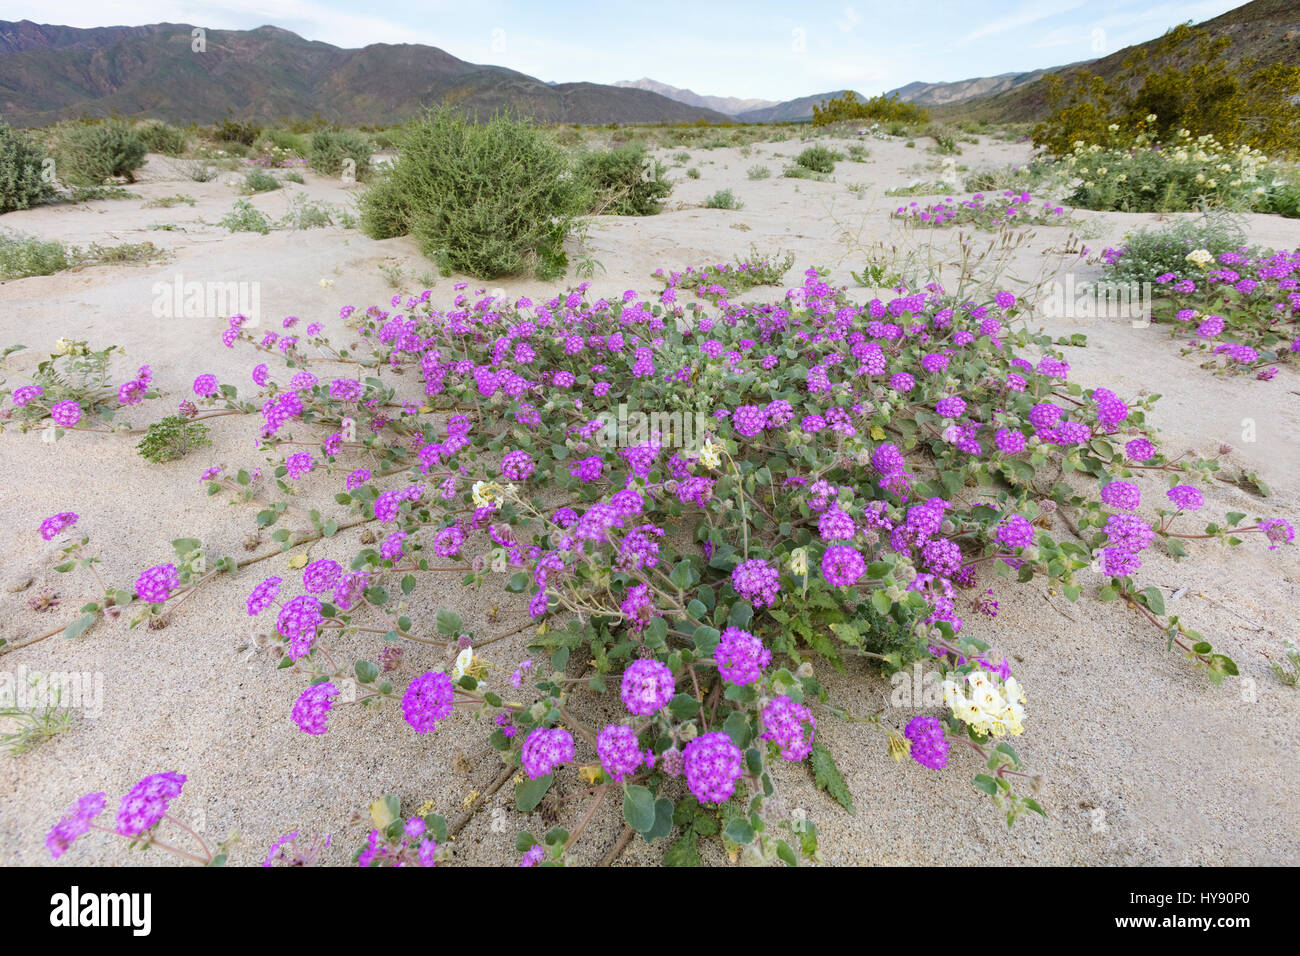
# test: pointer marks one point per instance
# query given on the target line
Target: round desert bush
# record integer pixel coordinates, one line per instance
(89, 154)
(487, 199)
(22, 159)
(819, 159)
(1148, 254)
(243, 132)
(163, 138)
(329, 150)
(625, 181)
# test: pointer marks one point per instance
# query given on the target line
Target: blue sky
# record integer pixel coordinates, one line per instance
(769, 50)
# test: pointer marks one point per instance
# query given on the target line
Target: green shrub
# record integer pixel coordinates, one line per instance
(723, 199)
(172, 438)
(200, 171)
(758, 172)
(1188, 79)
(488, 199)
(859, 153)
(259, 181)
(293, 176)
(819, 159)
(20, 258)
(243, 132)
(163, 138)
(1149, 176)
(245, 217)
(88, 154)
(625, 181)
(1152, 252)
(848, 108)
(23, 183)
(329, 149)
(693, 173)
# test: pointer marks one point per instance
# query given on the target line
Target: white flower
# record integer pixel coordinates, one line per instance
(1200, 257)
(709, 456)
(463, 660)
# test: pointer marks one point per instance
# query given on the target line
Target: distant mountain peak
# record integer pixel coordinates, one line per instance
(730, 105)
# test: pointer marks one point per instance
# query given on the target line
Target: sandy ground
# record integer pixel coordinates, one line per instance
(1145, 762)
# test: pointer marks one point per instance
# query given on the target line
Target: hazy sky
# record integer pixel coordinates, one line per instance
(754, 48)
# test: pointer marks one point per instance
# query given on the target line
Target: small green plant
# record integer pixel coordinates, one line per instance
(241, 132)
(340, 153)
(35, 726)
(625, 181)
(24, 180)
(199, 171)
(172, 438)
(819, 159)
(723, 199)
(303, 214)
(245, 217)
(23, 257)
(693, 173)
(166, 202)
(859, 153)
(88, 154)
(758, 172)
(126, 253)
(293, 176)
(1288, 672)
(163, 138)
(258, 181)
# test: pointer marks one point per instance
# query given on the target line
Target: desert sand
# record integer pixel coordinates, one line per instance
(1181, 771)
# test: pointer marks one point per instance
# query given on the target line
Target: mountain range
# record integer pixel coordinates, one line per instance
(50, 73)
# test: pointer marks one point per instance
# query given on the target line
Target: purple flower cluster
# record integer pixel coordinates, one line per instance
(712, 763)
(311, 710)
(757, 582)
(929, 743)
(429, 698)
(545, 749)
(619, 752)
(784, 722)
(648, 686)
(741, 657)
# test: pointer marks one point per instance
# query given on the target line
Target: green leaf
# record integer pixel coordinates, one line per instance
(639, 808)
(986, 783)
(366, 671)
(685, 852)
(663, 824)
(737, 728)
(739, 831)
(1155, 600)
(449, 623)
(684, 706)
(881, 602)
(787, 855)
(529, 793)
(827, 777)
(742, 612)
(79, 626)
